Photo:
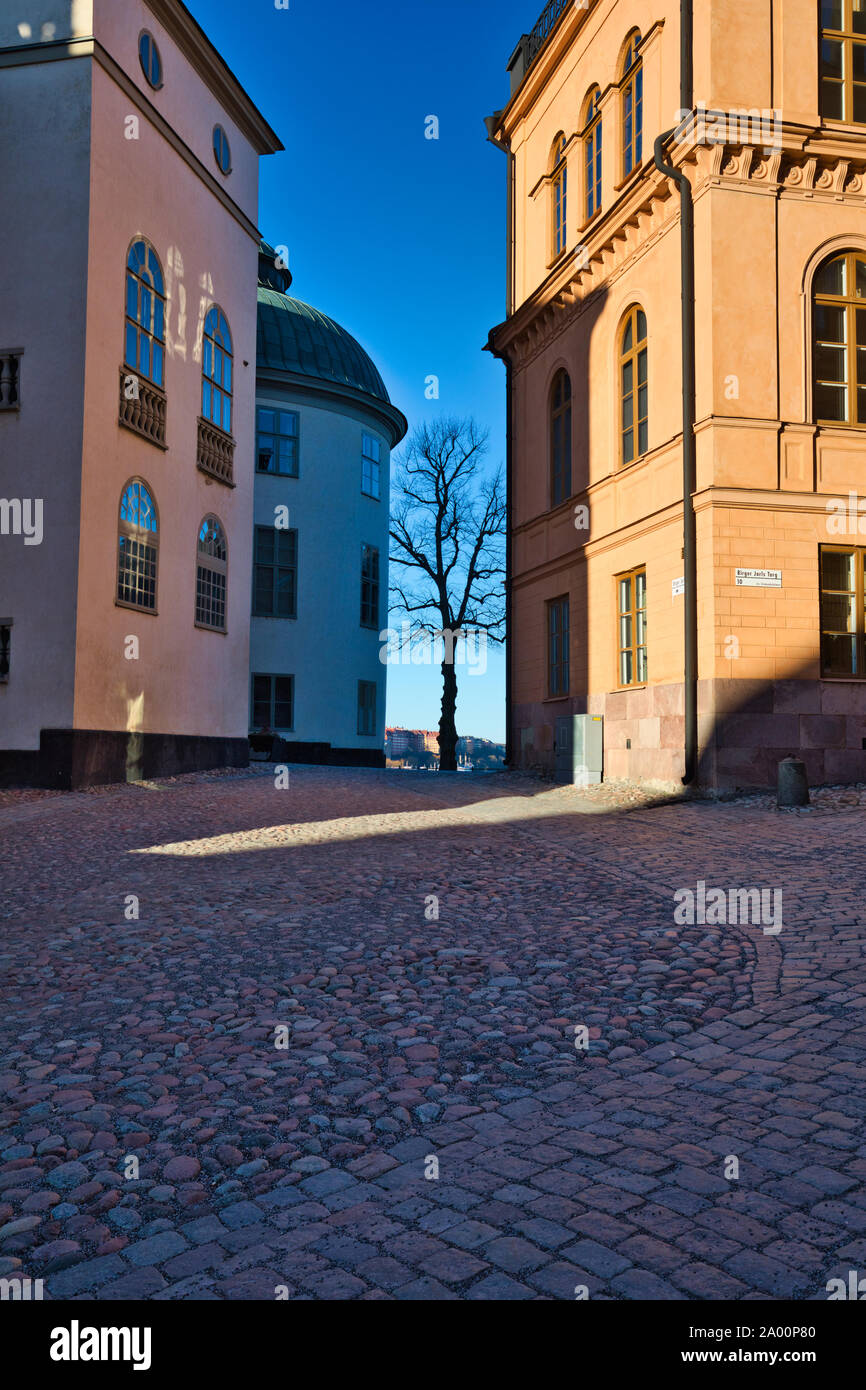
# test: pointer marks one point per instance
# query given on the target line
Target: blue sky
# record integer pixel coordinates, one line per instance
(399, 238)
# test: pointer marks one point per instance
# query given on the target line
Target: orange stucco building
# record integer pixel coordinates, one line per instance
(765, 117)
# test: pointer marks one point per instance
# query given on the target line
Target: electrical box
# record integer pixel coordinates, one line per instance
(579, 749)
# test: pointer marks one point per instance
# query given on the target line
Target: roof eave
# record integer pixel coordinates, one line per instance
(395, 420)
(191, 39)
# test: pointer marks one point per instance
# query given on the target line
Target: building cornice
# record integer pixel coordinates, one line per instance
(318, 388)
(811, 163)
(191, 39)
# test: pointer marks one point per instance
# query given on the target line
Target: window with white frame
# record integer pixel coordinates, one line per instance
(371, 457)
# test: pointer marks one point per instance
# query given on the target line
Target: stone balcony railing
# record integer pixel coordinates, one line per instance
(216, 452)
(142, 407)
(10, 380)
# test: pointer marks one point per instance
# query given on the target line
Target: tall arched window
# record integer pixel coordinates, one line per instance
(592, 151)
(843, 61)
(839, 340)
(216, 386)
(560, 438)
(632, 106)
(634, 394)
(145, 313)
(138, 547)
(559, 196)
(211, 571)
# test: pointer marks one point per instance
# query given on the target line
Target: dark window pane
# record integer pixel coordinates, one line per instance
(831, 14)
(831, 59)
(830, 364)
(858, 55)
(832, 104)
(831, 278)
(831, 403)
(859, 114)
(829, 324)
(839, 655)
(838, 570)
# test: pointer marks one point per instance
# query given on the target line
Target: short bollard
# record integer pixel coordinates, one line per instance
(793, 783)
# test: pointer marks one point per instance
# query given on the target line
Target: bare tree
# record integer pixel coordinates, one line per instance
(447, 529)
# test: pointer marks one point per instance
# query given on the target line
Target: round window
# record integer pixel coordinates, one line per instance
(221, 149)
(151, 63)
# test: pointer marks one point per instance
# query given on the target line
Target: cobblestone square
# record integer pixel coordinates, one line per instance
(334, 1056)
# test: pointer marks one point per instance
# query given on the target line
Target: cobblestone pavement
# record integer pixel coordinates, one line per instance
(306, 917)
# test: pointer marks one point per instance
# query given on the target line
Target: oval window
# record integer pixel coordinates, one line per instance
(151, 63)
(222, 150)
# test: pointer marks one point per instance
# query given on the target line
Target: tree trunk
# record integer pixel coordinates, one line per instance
(447, 723)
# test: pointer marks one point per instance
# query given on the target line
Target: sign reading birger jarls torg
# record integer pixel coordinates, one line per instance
(759, 579)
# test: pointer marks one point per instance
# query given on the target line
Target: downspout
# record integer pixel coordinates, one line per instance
(505, 146)
(687, 252)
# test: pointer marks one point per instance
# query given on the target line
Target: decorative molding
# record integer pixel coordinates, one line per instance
(216, 452)
(618, 234)
(144, 413)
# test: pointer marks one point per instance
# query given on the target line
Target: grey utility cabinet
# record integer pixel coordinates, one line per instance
(579, 749)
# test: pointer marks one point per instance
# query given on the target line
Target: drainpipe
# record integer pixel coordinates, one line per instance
(687, 240)
(491, 123)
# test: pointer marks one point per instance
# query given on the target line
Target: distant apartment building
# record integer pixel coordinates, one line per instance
(399, 742)
(325, 429)
(711, 611)
(129, 175)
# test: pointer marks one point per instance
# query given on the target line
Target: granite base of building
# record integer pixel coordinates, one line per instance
(69, 759)
(745, 729)
(324, 755)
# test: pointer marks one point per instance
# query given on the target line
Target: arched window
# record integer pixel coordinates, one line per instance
(559, 195)
(843, 61)
(632, 106)
(592, 151)
(210, 579)
(560, 438)
(145, 313)
(138, 547)
(633, 385)
(839, 340)
(216, 386)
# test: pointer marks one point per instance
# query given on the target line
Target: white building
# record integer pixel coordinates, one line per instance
(325, 429)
